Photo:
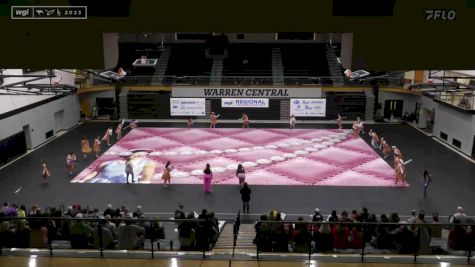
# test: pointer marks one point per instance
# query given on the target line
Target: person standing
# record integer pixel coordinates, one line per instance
(425, 180)
(107, 136)
(245, 120)
(214, 120)
(70, 160)
(97, 146)
(292, 121)
(45, 172)
(245, 197)
(166, 177)
(400, 172)
(129, 170)
(118, 130)
(189, 122)
(94, 112)
(134, 124)
(208, 176)
(85, 147)
(241, 174)
(339, 121)
(384, 146)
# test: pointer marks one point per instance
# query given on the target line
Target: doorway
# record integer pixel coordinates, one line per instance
(27, 134)
(58, 121)
(394, 108)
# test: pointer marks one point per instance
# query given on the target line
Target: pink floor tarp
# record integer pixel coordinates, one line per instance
(269, 156)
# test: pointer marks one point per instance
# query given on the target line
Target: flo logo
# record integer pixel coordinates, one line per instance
(440, 14)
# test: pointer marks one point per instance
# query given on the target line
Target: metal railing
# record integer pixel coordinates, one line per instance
(45, 231)
(275, 237)
(255, 80)
(461, 99)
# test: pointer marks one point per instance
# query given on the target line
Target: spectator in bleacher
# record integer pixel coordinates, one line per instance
(422, 231)
(333, 217)
(130, 235)
(155, 231)
(110, 225)
(280, 236)
(354, 216)
(383, 238)
(406, 240)
(245, 197)
(108, 241)
(301, 238)
(263, 239)
(179, 213)
(186, 233)
(413, 217)
(21, 236)
(81, 233)
(324, 238)
(317, 217)
(21, 211)
(6, 235)
(393, 218)
(458, 237)
(138, 212)
(364, 215)
(3, 210)
(38, 234)
(109, 211)
(459, 215)
(436, 228)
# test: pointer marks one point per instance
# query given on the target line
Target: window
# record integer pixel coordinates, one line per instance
(456, 143)
(443, 136)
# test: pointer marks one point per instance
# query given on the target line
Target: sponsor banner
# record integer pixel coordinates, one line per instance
(245, 102)
(187, 106)
(246, 92)
(308, 107)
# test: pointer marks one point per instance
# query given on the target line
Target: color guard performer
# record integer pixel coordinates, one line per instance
(356, 129)
(97, 146)
(107, 136)
(70, 160)
(385, 148)
(118, 130)
(360, 125)
(245, 120)
(134, 124)
(292, 121)
(339, 121)
(85, 147)
(400, 172)
(166, 177)
(374, 138)
(214, 120)
(45, 172)
(397, 155)
(189, 122)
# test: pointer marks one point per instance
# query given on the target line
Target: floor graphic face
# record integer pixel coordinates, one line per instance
(269, 157)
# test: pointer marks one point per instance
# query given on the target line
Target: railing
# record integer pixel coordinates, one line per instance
(46, 233)
(461, 99)
(319, 238)
(256, 80)
(236, 226)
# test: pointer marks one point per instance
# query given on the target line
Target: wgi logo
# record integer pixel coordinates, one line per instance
(440, 14)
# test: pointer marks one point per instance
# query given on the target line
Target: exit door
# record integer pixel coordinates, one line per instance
(393, 107)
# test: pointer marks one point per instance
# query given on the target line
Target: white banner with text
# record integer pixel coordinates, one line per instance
(187, 106)
(246, 92)
(308, 107)
(245, 102)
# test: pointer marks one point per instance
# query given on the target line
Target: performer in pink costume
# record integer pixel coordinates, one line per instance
(245, 120)
(208, 176)
(385, 148)
(339, 121)
(107, 136)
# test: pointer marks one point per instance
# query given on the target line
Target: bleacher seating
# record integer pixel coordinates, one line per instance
(248, 60)
(188, 60)
(304, 60)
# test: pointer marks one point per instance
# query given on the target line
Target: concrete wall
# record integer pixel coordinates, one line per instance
(12, 102)
(455, 124)
(42, 119)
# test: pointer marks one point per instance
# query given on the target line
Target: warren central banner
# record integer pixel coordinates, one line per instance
(246, 92)
(308, 107)
(245, 103)
(187, 106)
